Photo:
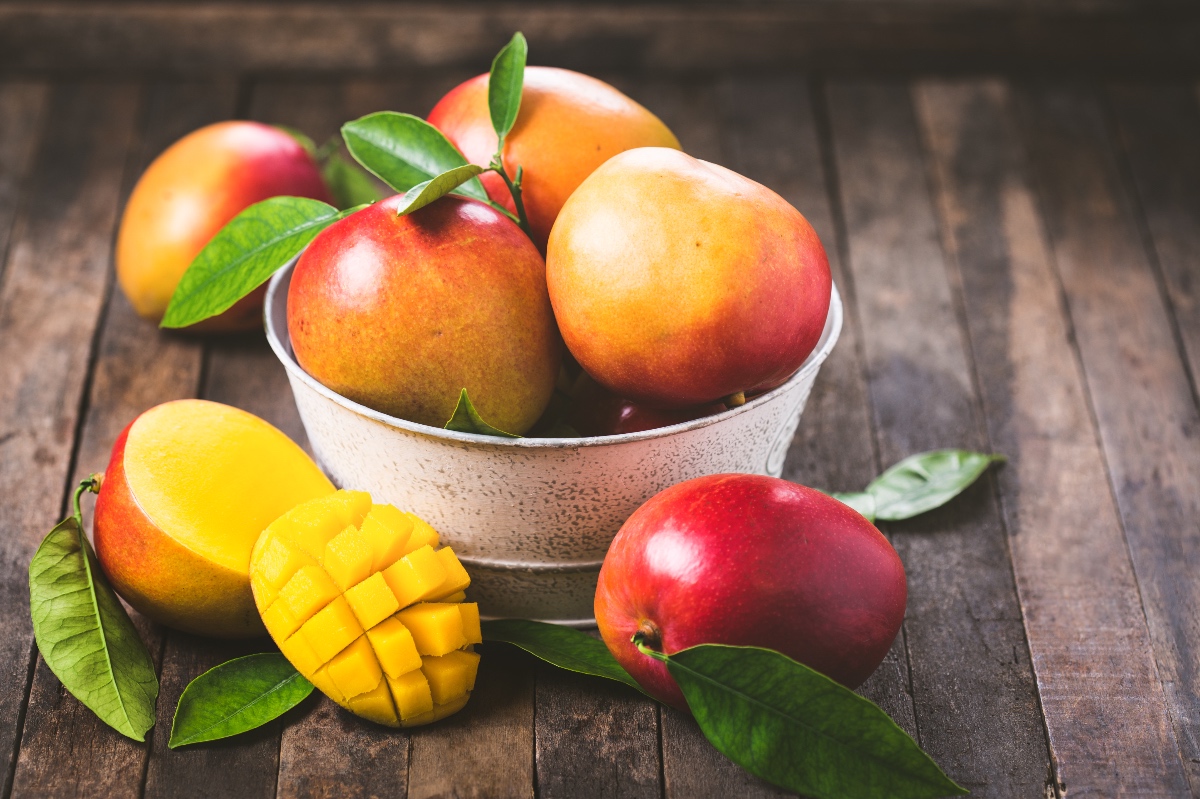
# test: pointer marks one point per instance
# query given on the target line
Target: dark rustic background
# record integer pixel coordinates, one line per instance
(1010, 196)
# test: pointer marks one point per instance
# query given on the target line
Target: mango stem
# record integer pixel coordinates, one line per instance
(91, 484)
(514, 188)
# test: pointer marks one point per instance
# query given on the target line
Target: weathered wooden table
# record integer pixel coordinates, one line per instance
(1021, 263)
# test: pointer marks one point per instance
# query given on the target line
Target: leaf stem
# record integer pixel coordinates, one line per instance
(639, 640)
(514, 188)
(91, 484)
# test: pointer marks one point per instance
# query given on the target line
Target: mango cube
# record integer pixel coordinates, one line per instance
(376, 705)
(457, 580)
(355, 670)
(386, 531)
(372, 600)
(451, 675)
(412, 695)
(422, 535)
(415, 576)
(309, 590)
(436, 627)
(472, 630)
(277, 563)
(345, 589)
(331, 630)
(395, 648)
(347, 558)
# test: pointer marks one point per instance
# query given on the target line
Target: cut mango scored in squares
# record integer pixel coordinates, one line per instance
(365, 605)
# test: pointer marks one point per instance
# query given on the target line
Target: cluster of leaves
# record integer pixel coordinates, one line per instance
(777, 718)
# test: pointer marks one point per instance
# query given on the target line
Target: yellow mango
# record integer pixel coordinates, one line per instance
(342, 587)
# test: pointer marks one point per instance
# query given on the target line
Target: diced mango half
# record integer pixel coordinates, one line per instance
(362, 602)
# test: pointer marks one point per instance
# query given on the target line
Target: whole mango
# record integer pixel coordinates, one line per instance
(362, 602)
(188, 193)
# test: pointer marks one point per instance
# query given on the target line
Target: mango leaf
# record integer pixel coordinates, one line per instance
(467, 420)
(423, 194)
(560, 646)
(505, 83)
(235, 697)
(798, 729)
(245, 253)
(403, 150)
(925, 481)
(86, 637)
(861, 501)
(348, 184)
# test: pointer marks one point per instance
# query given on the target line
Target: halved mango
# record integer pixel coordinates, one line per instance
(343, 587)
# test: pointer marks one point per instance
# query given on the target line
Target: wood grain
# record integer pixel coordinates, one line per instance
(135, 368)
(486, 749)
(1109, 729)
(658, 37)
(594, 738)
(53, 290)
(22, 113)
(1143, 402)
(1158, 127)
(973, 687)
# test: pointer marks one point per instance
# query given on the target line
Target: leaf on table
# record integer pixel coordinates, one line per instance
(925, 481)
(505, 82)
(403, 150)
(466, 419)
(798, 729)
(348, 183)
(423, 194)
(86, 637)
(861, 501)
(245, 253)
(560, 646)
(235, 697)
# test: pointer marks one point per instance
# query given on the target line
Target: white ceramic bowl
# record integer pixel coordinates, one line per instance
(532, 518)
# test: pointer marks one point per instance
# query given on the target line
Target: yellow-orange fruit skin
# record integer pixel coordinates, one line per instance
(162, 578)
(188, 193)
(676, 282)
(568, 125)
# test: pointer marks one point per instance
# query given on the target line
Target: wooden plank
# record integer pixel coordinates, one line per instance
(136, 367)
(972, 683)
(53, 290)
(486, 749)
(1106, 715)
(264, 36)
(1143, 402)
(22, 113)
(1159, 126)
(594, 738)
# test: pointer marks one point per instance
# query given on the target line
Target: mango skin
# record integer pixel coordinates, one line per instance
(677, 282)
(400, 313)
(163, 579)
(188, 194)
(568, 125)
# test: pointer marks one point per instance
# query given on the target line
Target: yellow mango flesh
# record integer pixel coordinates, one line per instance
(347, 589)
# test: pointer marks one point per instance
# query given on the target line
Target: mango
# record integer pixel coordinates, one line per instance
(189, 488)
(363, 603)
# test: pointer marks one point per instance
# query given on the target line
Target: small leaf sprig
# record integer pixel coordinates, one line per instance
(918, 484)
(83, 632)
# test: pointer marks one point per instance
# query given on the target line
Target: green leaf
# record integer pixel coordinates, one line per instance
(235, 697)
(798, 729)
(861, 501)
(403, 150)
(244, 254)
(467, 420)
(423, 194)
(926, 481)
(560, 646)
(505, 83)
(349, 185)
(86, 637)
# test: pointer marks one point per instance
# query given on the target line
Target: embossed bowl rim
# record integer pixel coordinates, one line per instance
(281, 345)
